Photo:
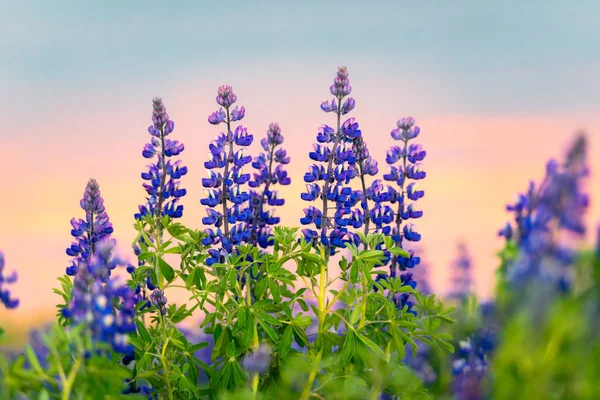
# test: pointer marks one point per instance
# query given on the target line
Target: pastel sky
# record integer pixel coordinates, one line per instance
(496, 87)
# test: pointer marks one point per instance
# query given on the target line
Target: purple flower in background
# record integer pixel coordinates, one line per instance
(258, 361)
(228, 207)
(461, 274)
(420, 364)
(270, 171)
(163, 175)
(470, 366)
(547, 219)
(328, 179)
(5, 296)
(93, 229)
(106, 307)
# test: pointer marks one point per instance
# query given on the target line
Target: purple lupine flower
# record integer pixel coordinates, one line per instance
(228, 208)
(93, 229)
(546, 218)
(328, 180)
(462, 271)
(159, 301)
(104, 306)
(270, 171)
(163, 175)
(396, 206)
(5, 296)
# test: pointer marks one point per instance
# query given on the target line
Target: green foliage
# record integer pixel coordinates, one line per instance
(331, 336)
(72, 369)
(551, 349)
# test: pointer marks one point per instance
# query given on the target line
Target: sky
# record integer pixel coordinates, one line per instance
(497, 88)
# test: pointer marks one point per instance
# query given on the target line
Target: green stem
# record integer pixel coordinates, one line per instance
(71, 379)
(255, 377)
(311, 377)
(337, 296)
(163, 358)
(363, 316)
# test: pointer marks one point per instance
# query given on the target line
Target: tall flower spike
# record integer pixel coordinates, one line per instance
(397, 205)
(163, 176)
(270, 171)
(5, 296)
(93, 229)
(546, 217)
(106, 307)
(461, 274)
(228, 208)
(328, 179)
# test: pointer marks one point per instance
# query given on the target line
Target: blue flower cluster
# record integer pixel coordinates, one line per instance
(227, 201)
(405, 170)
(470, 366)
(462, 271)
(270, 171)
(163, 175)
(327, 181)
(93, 229)
(544, 215)
(106, 307)
(5, 296)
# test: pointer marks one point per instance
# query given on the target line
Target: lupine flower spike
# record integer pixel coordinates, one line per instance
(163, 174)
(270, 171)
(396, 206)
(546, 218)
(328, 180)
(227, 201)
(105, 307)
(93, 229)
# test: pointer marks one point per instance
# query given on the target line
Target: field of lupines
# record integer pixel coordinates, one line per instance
(276, 319)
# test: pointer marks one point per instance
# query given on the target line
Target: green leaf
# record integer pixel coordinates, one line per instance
(286, 341)
(371, 255)
(349, 347)
(302, 321)
(355, 315)
(143, 331)
(275, 291)
(197, 346)
(34, 361)
(371, 345)
(248, 335)
(166, 270)
(268, 329)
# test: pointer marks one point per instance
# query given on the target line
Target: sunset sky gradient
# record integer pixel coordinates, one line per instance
(497, 89)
